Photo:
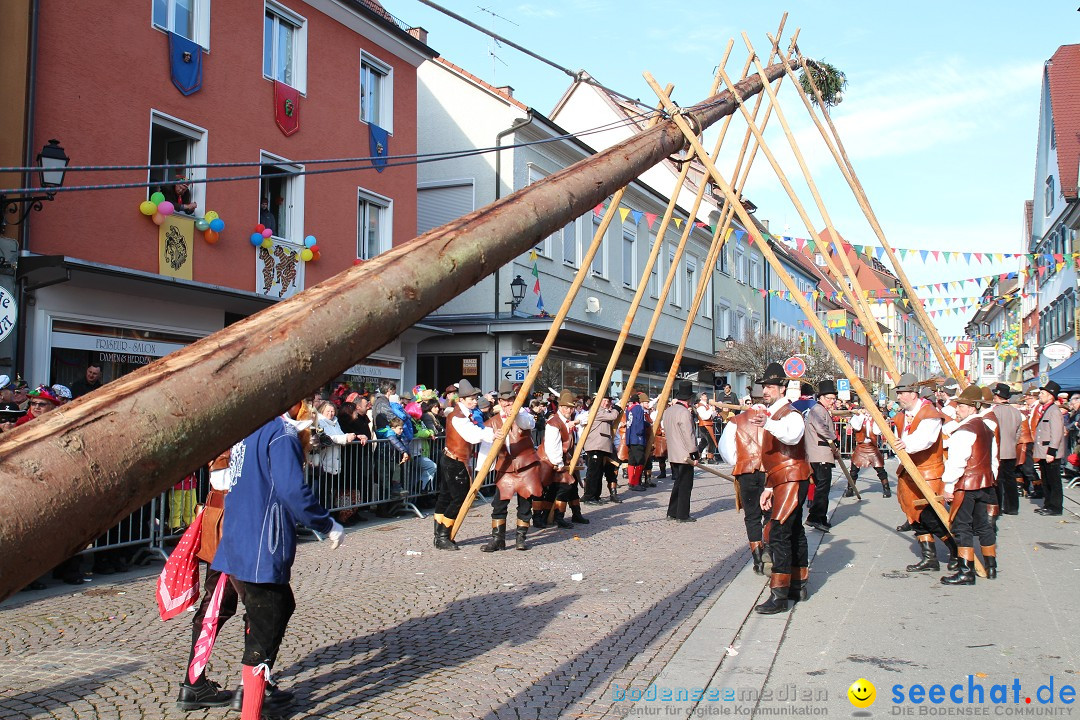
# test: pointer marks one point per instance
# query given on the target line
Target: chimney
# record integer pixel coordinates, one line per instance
(419, 33)
(506, 90)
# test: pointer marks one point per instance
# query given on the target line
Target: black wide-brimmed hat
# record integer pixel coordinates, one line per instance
(826, 387)
(774, 375)
(1002, 390)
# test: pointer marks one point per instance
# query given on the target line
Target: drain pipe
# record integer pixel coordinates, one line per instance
(514, 127)
(28, 160)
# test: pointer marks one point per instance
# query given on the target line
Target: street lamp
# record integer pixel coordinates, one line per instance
(729, 342)
(53, 163)
(517, 293)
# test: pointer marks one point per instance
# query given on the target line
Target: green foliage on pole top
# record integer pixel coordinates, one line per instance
(830, 82)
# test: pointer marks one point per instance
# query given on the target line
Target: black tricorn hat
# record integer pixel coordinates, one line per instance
(774, 375)
(826, 387)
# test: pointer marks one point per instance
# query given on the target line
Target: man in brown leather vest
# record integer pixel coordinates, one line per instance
(1025, 455)
(867, 453)
(555, 456)
(517, 470)
(969, 479)
(740, 447)
(787, 480)
(918, 428)
(455, 466)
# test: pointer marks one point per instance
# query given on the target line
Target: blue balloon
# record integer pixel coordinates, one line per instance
(309, 241)
(217, 224)
(256, 239)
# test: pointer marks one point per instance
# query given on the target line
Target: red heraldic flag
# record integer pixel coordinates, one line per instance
(286, 108)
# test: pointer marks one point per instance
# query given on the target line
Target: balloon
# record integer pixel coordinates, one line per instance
(217, 225)
(267, 232)
(211, 216)
(158, 218)
(157, 198)
(306, 254)
(315, 249)
(201, 225)
(166, 208)
(309, 241)
(256, 239)
(259, 228)
(147, 208)
(315, 255)
(267, 243)
(211, 236)
(358, 261)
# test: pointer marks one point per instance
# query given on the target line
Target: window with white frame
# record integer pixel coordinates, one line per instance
(725, 256)
(755, 325)
(376, 92)
(569, 244)
(1048, 196)
(599, 263)
(174, 142)
(283, 185)
(284, 46)
(741, 271)
(707, 301)
(691, 281)
(732, 326)
(755, 272)
(186, 18)
(723, 320)
(373, 224)
(675, 291)
(654, 279)
(740, 326)
(629, 256)
(546, 245)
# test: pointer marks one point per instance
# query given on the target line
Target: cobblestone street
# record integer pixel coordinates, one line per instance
(388, 627)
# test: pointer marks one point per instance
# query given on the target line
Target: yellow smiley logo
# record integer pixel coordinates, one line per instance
(862, 693)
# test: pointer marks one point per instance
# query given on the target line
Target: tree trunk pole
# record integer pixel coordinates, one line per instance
(822, 332)
(848, 170)
(88, 464)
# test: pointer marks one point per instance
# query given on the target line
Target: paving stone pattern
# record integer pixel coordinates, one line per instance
(382, 633)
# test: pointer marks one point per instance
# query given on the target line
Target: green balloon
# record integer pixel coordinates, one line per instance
(202, 225)
(157, 198)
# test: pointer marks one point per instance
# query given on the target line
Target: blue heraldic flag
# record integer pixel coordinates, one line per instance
(185, 64)
(379, 142)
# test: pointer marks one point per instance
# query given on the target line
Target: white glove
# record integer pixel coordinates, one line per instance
(336, 535)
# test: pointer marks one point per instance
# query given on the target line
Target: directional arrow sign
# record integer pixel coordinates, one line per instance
(515, 361)
(514, 375)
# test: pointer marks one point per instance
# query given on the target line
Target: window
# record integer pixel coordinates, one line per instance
(706, 303)
(373, 224)
(173, 142)
(819, 260)
(654, 281)
(1048, 197)
(675, 292)
(285, 46)
(723, 320)
(725, 256)
(570, 244)
(740, 326)
(438, 203)
(283, 187)
(544, 246)
(376, 92)
(691, 281)
(741, 272)
(629, 256)
(187, 18)
(755, 273)
(599, 263)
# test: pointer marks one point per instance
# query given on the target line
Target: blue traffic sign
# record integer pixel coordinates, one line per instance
(795, 367)
(843, 384)
(515, 361)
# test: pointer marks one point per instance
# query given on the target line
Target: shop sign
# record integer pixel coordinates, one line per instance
(8, 313)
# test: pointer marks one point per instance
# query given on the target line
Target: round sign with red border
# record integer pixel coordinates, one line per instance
(795, 367)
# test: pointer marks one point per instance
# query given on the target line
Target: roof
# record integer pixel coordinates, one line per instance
(503, 93)
(1063, 70)
(374, 10)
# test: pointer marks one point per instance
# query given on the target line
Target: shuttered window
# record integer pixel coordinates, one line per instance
(439, 205)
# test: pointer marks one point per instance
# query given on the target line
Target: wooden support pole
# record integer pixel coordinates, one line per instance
(541, 355)
(844, 163)
(719, 239)
(862, 311)
(819, 328)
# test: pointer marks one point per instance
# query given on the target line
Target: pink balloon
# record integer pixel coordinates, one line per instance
(166, 208)
(267, 232)
(158, 218)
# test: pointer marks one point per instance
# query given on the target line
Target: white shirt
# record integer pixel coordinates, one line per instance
(727, 443)
(949, 408)
(788, 429)
(524, 420)
(470, 431)
(553, 441)
(925, 435)
(858, 420)
(705, 412)
(959, 453)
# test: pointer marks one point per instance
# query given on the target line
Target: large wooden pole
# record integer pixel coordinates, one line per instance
(848, 170)
(70, 475)
(819, 328)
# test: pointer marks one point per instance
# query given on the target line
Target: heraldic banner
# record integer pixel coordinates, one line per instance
(176, 240)
(286, 108)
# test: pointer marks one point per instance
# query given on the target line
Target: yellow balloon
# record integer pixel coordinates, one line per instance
(211, 215)
(306, 254)
(147, 208)
(268, 243)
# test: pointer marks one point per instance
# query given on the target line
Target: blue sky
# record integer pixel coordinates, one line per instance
(939, 117)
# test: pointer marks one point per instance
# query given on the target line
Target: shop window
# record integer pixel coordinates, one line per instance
(376, 92)
(186, 18)
(173, 142)
(373, 234)
(285, 46)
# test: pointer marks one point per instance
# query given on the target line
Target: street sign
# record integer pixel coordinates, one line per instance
(843, 389)
(795, 367)
(514, 375)
(516, 361)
